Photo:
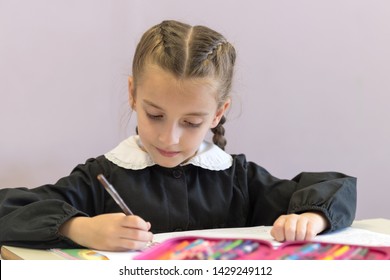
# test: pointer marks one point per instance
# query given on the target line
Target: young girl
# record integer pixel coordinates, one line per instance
(168, 175)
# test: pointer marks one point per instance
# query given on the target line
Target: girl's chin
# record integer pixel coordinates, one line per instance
(166, 162)
(169, 163)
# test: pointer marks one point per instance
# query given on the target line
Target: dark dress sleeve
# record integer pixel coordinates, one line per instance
(331, 193)
(32, 217)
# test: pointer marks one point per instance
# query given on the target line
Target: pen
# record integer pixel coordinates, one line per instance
(111, 190)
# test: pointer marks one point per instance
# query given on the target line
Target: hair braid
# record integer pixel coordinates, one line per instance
(219, 134)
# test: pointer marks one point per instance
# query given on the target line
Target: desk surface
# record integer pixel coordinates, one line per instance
(376, 225)
(381, 226)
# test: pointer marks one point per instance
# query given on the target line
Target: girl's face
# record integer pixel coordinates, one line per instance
(173, 115)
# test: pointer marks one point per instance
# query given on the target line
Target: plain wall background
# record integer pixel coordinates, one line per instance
(311, 90)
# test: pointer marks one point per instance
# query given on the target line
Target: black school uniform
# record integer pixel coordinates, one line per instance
(211, 190)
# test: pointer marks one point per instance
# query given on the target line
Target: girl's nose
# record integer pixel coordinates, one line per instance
(170, 134)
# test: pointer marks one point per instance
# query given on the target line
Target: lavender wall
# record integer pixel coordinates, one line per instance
(311, 90)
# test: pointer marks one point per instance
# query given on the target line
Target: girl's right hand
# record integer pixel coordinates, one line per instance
(110, 232)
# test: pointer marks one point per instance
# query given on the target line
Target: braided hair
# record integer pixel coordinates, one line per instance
(189, 52)
(219, 134)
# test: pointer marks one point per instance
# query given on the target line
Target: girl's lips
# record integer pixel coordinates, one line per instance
(167, 153)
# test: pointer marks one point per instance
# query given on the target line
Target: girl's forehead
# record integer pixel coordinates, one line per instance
(154, 78)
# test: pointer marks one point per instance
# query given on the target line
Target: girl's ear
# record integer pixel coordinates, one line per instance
(220, 112)
(131, 93)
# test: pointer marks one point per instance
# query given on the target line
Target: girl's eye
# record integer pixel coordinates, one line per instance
(191, 124)
(154, 117)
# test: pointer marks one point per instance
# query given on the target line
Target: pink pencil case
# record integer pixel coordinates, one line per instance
(204, 248)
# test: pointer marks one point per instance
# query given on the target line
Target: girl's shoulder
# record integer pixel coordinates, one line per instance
(240, 161)
(94, 166)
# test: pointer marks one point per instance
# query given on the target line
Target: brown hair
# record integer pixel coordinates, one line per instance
(189, 52)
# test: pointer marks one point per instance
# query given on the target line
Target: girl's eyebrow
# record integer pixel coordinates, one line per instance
(199, 114)
(147, 102)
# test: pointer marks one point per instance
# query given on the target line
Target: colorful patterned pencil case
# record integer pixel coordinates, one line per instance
(202, 248)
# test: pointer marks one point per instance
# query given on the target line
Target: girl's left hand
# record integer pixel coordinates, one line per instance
(298, 227)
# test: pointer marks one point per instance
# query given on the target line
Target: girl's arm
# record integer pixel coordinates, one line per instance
(302, 207)
(33, 217)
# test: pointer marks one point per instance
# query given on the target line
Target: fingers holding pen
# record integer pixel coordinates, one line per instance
(136, 228)
(114, 232)
(135, 222)
(134, 232)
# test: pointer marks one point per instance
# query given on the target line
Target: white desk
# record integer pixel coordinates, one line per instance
(376, 225)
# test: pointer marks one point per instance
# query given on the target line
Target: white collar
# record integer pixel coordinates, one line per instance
(129, 155)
